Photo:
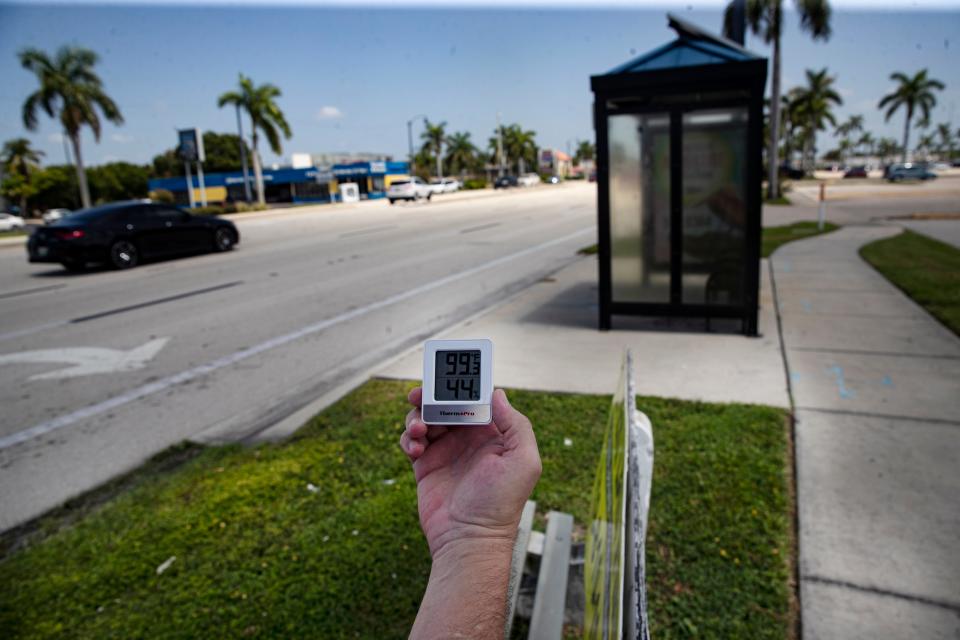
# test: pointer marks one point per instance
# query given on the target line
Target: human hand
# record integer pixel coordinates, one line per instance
(472, 481)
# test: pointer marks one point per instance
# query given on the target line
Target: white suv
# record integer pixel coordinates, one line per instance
(528, 180)
(444, 185)
(411, 189)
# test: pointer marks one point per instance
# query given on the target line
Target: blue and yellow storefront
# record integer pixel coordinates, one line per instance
(291, 185)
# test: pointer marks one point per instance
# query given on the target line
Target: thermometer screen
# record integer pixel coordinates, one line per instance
(457, 375)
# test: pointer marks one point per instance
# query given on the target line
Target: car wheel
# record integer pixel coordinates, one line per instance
(124, 255)
(391, 200)
(429, 197)
(223, 240)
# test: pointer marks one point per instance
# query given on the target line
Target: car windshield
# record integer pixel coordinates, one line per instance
(400, 183)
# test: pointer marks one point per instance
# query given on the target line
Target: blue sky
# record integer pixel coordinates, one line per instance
(351, 77)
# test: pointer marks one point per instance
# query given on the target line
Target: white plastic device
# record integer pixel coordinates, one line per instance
(457, 382)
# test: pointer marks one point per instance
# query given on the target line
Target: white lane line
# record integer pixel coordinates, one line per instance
(34, 329)
(185, 376)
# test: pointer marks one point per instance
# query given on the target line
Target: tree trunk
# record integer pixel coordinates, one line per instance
(81, 171)
(258, 172)
(440, 160)
(773, 160)
(906, 136)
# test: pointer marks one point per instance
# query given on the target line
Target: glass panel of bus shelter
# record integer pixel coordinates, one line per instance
(639, 160)
(714, 205)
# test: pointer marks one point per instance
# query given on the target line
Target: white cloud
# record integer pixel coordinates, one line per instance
(121, 138)
(329, 113)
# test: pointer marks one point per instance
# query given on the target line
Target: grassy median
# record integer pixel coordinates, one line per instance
(774, 237)
(925, 269)
(318, 536)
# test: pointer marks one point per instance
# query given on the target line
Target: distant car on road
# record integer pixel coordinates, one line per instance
(856, 172)
(412, 189)
(10, 222)
(909, 171)
(528, 180)
(445, 185)
(553, 180)
(52, 215)
(123, 234)
(505, 182)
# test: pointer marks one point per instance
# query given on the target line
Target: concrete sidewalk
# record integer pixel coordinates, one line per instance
(546, 338)
(876, 382)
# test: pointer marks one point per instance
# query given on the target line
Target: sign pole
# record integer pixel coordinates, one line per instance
(189, 184)
(203, 187)
(821, 213)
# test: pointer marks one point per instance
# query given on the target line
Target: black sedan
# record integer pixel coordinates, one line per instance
(123, 234)
(505, 182)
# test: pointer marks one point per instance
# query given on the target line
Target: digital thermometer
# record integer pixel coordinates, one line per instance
(457, 382)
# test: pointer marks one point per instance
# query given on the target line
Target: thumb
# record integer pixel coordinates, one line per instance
(506, 417)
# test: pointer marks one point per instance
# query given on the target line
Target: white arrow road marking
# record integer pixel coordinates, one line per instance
(238, 356)
(85, 361)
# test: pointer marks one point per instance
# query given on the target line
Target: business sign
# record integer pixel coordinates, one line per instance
(378, 167)
(190, 147)
(614, 571)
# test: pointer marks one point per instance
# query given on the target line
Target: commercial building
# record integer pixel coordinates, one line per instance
(555, 162)
(311, 184)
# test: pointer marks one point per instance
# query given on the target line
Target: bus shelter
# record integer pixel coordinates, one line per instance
(679, 166)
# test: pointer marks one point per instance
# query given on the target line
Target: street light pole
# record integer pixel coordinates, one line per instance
(413, 166)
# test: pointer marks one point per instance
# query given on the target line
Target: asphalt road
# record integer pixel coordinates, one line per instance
(99, 371)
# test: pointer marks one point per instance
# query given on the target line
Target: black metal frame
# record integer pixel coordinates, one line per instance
(747, 76)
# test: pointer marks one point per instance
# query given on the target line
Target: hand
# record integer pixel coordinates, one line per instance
(472, 481)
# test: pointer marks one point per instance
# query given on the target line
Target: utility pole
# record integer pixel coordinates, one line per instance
(499, 146)
(413, 165)
(243, 158)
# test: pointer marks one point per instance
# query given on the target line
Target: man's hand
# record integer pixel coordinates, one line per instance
(472, 481)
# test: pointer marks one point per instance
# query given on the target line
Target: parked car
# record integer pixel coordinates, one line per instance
(411, 189)
(786, 171)
(445, 185)
(909, 171)
(52, 215)
(553, 180)
(10, 222)
(528, 180)
(856, 172)
(505, 182)
(122, 234)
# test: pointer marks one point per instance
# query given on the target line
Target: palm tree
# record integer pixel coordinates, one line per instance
(866, 143)
(461, 153)
(585, 151)
(260, 104)
(924, 145)
(520, 147)
(946, 141)
(814, 107)
(765, 18)
(853, 124)
(69, 89)
(912, 93)
(18, 158)
(434, 135)
(886, 148)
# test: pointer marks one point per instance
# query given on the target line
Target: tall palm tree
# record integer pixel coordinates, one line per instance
(71, 90)
(461, 153)
(585, 151)
(765, 18)
(815, 107)
(20, 159)
(519, 146)
(866, 143)
(912, 93)
(434, 135)
(924, 145)
(946, 141)
(259, 102)
(853, 124)
(887, 148)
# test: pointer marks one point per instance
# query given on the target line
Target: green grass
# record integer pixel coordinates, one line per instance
(926, 270)
(260, 555)
(589, 250)
(774, 237)
(778, 201)
(13, 233)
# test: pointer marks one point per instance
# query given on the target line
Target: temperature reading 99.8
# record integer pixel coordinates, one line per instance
(457, 375)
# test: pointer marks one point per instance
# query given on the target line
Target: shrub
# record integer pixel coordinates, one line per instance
(162, 195)
(208, 211)
(474, 183)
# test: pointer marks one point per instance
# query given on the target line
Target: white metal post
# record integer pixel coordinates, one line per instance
(203, 187)
(189, 184)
